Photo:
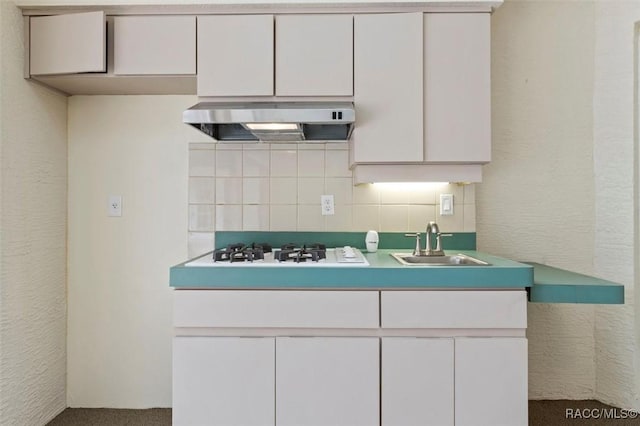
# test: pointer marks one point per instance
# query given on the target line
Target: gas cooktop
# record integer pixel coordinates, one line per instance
(262, 254)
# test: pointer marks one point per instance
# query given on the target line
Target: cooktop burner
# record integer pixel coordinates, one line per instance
(288, 255)
(241, 253)
(289, 252)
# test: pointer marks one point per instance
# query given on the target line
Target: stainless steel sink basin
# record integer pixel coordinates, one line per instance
(455, 260)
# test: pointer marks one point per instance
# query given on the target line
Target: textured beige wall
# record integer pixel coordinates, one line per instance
(537, 199)
(563, 76)
(617, 354)
(119, 336)
(33, 160)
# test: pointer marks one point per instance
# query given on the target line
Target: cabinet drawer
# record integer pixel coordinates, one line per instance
(454, 309)
(229, 308)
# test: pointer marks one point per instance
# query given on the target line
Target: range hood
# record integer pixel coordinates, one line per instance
(273, 121)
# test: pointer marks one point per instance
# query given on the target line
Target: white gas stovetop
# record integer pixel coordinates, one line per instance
(342, 256)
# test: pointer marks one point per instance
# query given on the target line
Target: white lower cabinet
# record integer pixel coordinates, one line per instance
(491, 381)
(223, 381)
(327, 381)
(417, 381)
(419, 366)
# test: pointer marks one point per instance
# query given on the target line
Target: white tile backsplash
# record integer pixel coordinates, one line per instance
(284, 163)
(283, 190)
(394, 218)
(255, 218)
(337, 164)
(342, 220)
(310, 163)
(395, 195)
(202, 217)
(229, 218)
(453, 223)
(424, 195)
(255, 190)
(229, 190)
(469, 218)
(366, 193)
(366, 217)
(283, 217)
(255, 163)
(420, 216)
(202, 190)
(310, 218)
(228, 162)
(202, 162)
(310, 190)
(340, 188)
(277, 187)
(470, 194)
(455, 189)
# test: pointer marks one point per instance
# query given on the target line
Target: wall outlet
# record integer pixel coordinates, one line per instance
(115, 206)
(446, 204)
(326, 203)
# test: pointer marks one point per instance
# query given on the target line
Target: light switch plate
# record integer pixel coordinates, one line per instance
(446, 204)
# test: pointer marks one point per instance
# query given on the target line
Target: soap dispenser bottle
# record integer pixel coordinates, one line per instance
(371, 241)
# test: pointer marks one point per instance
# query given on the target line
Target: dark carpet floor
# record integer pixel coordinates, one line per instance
(541, 413)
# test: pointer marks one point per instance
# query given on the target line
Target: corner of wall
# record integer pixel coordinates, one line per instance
(33, 170)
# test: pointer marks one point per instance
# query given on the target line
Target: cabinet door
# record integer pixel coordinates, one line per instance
(314, 55)
(154, 45)
(223, 381)
(417, 381)
(388, 90)
(235, 55)
(491, 382)
(457, 72)
(327, 381)
(67, 44)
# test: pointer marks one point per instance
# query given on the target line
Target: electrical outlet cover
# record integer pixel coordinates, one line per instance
(115, 206)
(326, 204)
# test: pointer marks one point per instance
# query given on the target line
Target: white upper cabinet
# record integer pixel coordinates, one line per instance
(149, 45)
(235, 55)
(68, 44)
(388, 93)
(457, 79)
(314, 55)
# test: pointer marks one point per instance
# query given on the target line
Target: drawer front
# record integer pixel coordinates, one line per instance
(302, 309)
(454, 309)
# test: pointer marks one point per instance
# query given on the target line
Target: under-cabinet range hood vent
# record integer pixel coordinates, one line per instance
(273, 121)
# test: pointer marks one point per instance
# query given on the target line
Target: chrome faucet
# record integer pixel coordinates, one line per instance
(432, 229)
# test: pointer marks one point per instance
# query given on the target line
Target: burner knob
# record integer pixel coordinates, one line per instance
(348, 251)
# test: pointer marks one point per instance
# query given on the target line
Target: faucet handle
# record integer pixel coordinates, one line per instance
(416, 251)
(439, 235)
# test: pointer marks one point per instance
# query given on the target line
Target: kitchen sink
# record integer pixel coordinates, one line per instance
(455, 260)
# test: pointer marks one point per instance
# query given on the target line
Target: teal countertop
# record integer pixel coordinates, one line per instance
(554, 285)
(383, 273)
(545, 284)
